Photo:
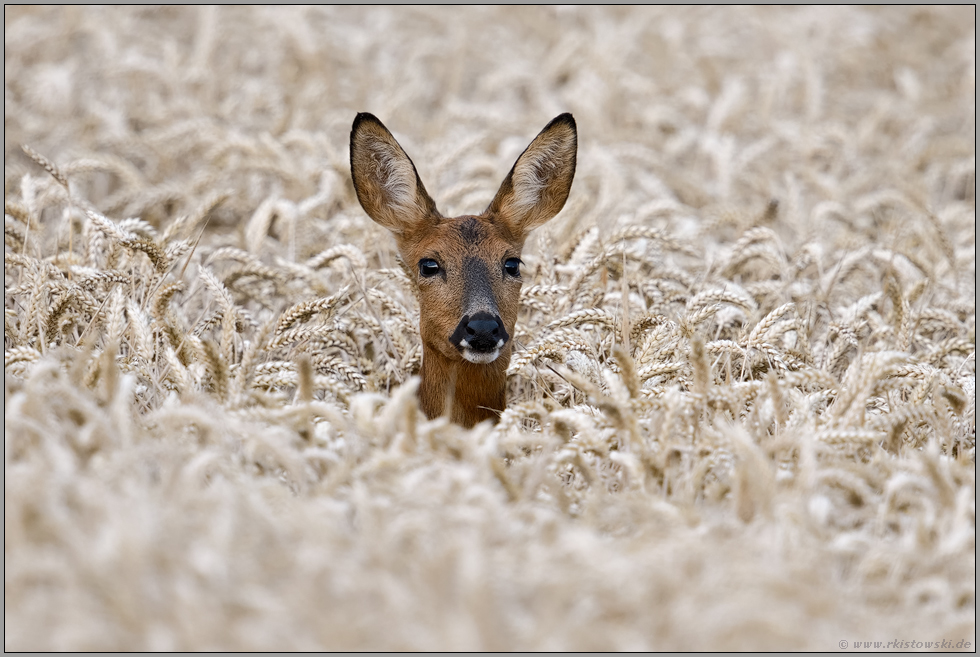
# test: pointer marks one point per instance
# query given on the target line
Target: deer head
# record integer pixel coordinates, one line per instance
(467, 268)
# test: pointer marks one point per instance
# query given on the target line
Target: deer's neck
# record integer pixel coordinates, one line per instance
(476, 392)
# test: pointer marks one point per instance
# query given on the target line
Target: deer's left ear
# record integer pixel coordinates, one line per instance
(537, 186)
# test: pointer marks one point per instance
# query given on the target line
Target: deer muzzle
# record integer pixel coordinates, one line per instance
(480, 337)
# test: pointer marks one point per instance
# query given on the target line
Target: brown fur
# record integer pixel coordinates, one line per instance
(391, 192)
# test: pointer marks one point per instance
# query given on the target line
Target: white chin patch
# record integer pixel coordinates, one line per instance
(480, 357)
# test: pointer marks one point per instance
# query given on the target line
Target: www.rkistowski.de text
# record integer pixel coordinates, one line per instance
(945, 644)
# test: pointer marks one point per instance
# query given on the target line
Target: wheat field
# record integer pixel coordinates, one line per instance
(742, 405)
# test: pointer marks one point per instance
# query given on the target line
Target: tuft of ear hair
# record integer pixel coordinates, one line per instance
(385, 179)
(537, 186)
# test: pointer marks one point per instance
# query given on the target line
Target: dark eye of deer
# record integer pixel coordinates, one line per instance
(513, 267)
(429, 267)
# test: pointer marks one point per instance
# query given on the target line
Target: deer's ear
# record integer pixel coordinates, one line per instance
(387, 184)
(537, 186)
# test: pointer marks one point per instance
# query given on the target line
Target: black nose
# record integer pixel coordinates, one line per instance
(481, 332)
(483, 328)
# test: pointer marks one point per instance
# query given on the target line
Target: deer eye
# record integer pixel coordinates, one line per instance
(513, 267)
(429, 267)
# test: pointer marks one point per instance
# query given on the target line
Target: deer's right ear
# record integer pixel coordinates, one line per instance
(387, 184)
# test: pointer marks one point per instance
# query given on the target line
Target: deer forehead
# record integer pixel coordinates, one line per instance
(465, 238)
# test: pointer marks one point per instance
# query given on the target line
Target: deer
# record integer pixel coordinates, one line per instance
(466, 270)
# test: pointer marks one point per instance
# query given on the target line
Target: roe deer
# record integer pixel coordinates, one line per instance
(466, 269)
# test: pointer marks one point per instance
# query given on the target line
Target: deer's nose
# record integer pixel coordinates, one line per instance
(488, 328)
(482, 332)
